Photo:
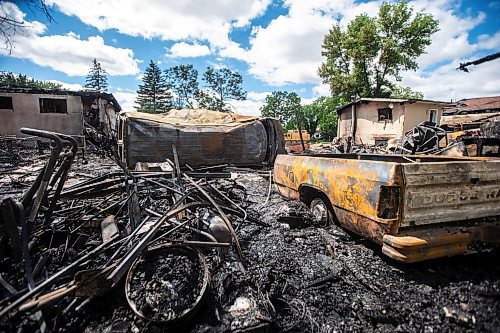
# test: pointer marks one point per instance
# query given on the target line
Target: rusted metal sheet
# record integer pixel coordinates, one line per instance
(439, 241)
(405, 205)
(201, 140)
(450, 191)
(352, 186)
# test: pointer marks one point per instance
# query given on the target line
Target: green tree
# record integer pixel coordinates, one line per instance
(363, 60)
(11, 80)
(309, 116)
(328, 117)
(406, 93)
(223, 85)
(183, 81)
(321, 115)
(97, 78)
(153, 95)
(282, 105)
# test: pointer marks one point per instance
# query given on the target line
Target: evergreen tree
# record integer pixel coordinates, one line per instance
(153, 95)
(97, 79)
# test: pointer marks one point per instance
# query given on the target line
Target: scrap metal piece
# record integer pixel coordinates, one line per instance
(109, 228)
(167, 284)
(221, 213)
(47, 172)
(120, 270)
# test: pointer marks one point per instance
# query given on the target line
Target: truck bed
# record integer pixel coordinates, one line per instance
(387, 196)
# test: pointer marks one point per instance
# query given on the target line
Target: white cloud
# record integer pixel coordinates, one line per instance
(451, 46)
(126, 100)
(251, 106)
(487, 42)
(169, 20)
(69, 86)
(288, 50)
(67, 53)
(452, 40)
(185, 50)
(321, 90)
(447, 82)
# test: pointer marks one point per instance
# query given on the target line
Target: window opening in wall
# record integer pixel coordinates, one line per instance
(53, 105)
(384, 114)
(6, 103)
(433, 116)
(120, 129)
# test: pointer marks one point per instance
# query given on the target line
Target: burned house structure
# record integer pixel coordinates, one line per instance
(376, 120)
(56, 110)
(470, 113)
(476, 123)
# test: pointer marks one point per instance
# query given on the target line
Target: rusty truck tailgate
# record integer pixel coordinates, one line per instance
(450, 191)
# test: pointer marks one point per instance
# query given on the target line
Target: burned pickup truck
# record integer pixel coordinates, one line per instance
(416, 207)
(201, 138)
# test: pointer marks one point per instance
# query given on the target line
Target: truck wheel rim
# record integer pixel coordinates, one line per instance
(320, 212)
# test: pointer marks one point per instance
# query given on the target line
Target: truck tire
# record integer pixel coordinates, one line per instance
(320, 212)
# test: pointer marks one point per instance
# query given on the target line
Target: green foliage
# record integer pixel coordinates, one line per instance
(282, 105)
(328, 119)
(321, 115)
(97, 79)
(153, 95)
(309, 118)
(362, 60)
(183, 81)
(222, 86)
(11, 80)
(406, 93)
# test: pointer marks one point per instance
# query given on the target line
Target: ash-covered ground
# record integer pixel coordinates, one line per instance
(306, 278)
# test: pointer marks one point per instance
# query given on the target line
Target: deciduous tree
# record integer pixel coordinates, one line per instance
(282, 105)
(327, 123)
(364, 59)
(153, 95)
(11, 23)
(321, 115)
(183, 81)
(406, 93)
(223, 85)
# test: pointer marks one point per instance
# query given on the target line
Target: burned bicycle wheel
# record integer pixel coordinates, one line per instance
(167, 284)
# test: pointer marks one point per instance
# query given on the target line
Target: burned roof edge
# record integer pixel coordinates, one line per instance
(81, 93)
(396, 100)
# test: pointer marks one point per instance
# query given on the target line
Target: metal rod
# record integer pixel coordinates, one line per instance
(222, 214)
(116, 275)
(68, 268)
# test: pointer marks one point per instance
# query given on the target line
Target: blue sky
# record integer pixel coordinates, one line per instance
(275, 45)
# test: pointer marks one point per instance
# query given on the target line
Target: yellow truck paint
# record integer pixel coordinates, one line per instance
(416, 207)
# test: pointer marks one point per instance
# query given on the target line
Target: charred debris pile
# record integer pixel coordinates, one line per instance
(428, 139)
(87, 245)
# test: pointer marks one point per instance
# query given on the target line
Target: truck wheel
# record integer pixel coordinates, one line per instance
(319, 210)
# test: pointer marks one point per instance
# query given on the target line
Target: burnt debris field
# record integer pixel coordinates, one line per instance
(151, 250)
